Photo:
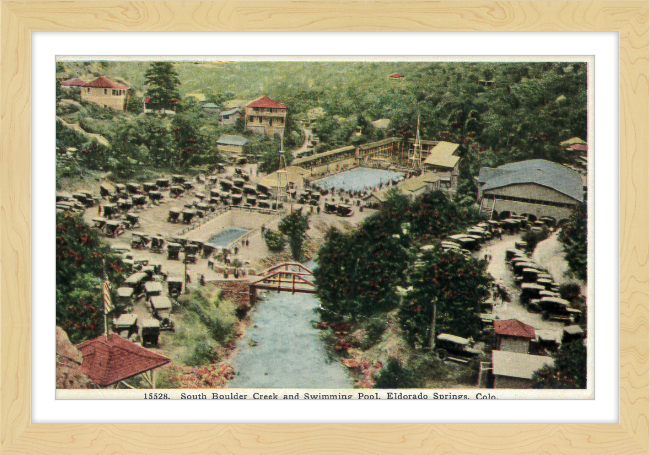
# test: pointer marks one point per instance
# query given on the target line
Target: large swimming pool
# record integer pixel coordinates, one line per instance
(227, 236)
(359, 179)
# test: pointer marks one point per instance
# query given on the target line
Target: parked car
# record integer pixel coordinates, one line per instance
(455, 348)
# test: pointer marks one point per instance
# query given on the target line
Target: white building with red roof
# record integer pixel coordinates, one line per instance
(105, 93)
(266, 116)
(513, 335)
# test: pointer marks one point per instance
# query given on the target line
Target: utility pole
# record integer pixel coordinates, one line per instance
(187, 291)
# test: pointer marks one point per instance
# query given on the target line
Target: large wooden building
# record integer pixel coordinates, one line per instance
(533, 188)
(444, 160)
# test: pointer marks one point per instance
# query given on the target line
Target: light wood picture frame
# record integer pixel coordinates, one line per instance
(18, 19)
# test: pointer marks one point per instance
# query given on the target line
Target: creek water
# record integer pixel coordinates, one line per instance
(282, 349)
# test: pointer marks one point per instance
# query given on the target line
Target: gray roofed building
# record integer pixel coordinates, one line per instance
(541, 172)
(227, 139)
(533, 187)
(230, 112)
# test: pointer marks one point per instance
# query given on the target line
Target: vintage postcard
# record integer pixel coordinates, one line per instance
(301, 228)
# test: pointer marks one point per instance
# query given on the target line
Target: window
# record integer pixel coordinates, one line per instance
(105, 91)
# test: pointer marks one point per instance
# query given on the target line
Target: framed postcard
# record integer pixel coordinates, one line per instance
(345, 230)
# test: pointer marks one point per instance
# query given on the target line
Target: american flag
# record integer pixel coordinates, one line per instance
(108, 305)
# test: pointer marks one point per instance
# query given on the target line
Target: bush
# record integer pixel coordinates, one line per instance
(375, 328)
(208, 324)
(395, 376)
(533, 238)
(274, 241)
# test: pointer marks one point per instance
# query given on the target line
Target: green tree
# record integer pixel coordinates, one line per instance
(358, 272)
(80, 256)
(395, 376)
(450, 285)
(295, 226)
(270, 151)
(274, 240)
(162, 84)
(569, 370)
(574, 240)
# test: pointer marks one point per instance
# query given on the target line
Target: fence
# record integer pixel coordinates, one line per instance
(224, 209)
(250, 233)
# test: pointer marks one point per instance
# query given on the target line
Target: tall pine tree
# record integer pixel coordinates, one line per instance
(162, 85)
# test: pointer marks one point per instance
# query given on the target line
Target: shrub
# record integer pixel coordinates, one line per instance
(274, 241)
(395, 376)
(533, 238)
(375, 328)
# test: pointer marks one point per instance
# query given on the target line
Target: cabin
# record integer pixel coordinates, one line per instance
(233, 145)
(105, 93)
(210, 108)
(230, 116)
(396, 77)
(513, 335)
(514, 370)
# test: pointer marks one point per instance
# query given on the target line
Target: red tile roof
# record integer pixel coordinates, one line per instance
(267, 102)
(513, 328)
(579, 147)
(396, 75)
(107, 363)
(147, 99)
(102, 82)
(74, 82)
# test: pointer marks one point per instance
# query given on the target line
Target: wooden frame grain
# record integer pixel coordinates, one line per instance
(19, 436)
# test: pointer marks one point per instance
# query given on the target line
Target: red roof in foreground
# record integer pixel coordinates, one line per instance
(102, 82)
(119, 359)
(513, 328)
(579, 147)
(396, 75)
(267, 102)
(147, 99)
(74, 82)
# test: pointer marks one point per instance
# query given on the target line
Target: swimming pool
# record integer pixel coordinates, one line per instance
(358, 179)
(227, 236)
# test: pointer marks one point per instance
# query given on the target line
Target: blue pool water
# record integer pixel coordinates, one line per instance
(225, 237)
(358, 179)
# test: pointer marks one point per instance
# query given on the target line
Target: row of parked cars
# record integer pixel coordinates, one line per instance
(147, 282)
(539, 292)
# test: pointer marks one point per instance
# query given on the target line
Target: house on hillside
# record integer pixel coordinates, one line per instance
(105, 93)
(73, 84)
(514, 370)
(513, 335)
(443, 159)
(533, 188)
(266, 116)
(232, 145)
(396, 77)
(230, 116)
(210, 108)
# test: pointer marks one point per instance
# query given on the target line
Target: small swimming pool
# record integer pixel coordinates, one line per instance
(359, 179)
(227, 236)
